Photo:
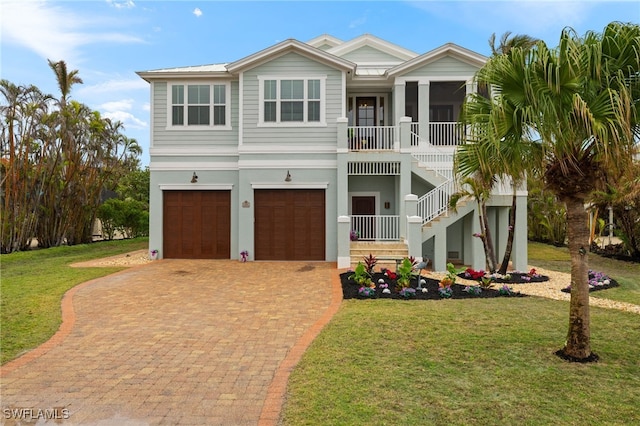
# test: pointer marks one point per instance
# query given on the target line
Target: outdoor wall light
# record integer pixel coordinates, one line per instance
(194, 178)
(288, 178)
(387, 205)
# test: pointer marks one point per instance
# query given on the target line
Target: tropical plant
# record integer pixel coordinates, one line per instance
(497, 146)
(581, 100)
(57, 158)
(405, 271)
(361, 276)
(370, 263)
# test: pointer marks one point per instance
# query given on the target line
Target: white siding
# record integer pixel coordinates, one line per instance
(293, 65)
(369, 54)
(164, 137)
(445, 67)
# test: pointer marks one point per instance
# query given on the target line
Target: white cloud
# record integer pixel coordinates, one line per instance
(111, 86)
(119, 111)
(126, 118)
(124, 104)
(358, 22)
(54, 32)
(122, 4)
(197, 12)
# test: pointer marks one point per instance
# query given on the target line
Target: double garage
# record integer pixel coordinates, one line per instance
(289, 224)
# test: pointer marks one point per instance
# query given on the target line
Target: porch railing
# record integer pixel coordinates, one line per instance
(371, 138)
(446, 133)
(376, 227)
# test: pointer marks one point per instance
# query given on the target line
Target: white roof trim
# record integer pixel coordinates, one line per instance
(449, 49)
(287, 46)
(212, 70)
(325, 39)
(376, 43)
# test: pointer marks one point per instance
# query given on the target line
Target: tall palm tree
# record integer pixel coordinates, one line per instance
(497, 142)
(581, 99)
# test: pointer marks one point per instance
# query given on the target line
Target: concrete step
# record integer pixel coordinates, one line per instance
(381, 250)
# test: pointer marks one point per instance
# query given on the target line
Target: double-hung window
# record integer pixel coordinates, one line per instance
(199, 105)
(292, 101)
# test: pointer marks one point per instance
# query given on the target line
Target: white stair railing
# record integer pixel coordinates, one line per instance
(435, 202)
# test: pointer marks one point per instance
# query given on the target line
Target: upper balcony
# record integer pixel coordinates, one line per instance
(389, 138)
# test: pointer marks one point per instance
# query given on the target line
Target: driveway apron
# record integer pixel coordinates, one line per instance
(176, 342)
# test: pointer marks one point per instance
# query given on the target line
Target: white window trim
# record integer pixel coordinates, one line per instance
(211, 126)
(305, 123)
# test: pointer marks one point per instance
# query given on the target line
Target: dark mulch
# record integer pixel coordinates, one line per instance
(514, 278)
(612, 283)
(350, 289)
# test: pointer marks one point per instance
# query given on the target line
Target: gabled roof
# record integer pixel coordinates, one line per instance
(325, 40)
(285, 47)
(199, 70)
(448, 49)
(373, 42)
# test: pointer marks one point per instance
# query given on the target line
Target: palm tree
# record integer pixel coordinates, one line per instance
(581, 99)
(497, 142)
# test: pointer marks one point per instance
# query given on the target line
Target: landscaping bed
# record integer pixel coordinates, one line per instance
(351, 290)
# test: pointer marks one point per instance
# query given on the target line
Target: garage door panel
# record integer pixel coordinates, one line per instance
(197, 224)
(290, 224)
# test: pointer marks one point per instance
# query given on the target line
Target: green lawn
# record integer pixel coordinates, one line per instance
(626, 273)
(32, 286)
(470, 362)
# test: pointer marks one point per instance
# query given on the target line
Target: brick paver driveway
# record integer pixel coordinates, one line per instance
(176, 342)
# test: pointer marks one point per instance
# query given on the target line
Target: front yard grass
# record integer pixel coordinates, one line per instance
(32, 286)
(472, 362)
(464, 362)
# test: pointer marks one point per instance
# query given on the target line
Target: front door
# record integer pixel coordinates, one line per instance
(366, 111)
(363, 208)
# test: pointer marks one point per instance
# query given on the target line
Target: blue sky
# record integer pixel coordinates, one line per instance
(109, 40)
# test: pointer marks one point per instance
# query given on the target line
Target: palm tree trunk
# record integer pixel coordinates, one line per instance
(487, 239)
(578, 345)
(512, 227)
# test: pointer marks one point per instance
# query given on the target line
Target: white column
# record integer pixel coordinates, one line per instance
(398, 102)
(344, 242)
(423, 109)
(440, 250)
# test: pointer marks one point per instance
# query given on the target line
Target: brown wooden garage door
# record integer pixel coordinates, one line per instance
(290, 224)
(197, 224)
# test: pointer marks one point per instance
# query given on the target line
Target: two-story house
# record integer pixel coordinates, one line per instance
(295, 151)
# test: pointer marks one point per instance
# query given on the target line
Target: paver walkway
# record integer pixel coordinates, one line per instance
(176, 342)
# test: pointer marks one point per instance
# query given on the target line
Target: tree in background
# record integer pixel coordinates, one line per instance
(57, 158)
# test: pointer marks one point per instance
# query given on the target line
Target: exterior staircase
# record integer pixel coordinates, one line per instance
(385, 252)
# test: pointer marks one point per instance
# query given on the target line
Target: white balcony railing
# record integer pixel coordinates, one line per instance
(446, 133)
(376, 228)
(371, 138)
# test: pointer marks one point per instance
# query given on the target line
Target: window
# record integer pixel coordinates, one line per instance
(204, 105)
(292, 101)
